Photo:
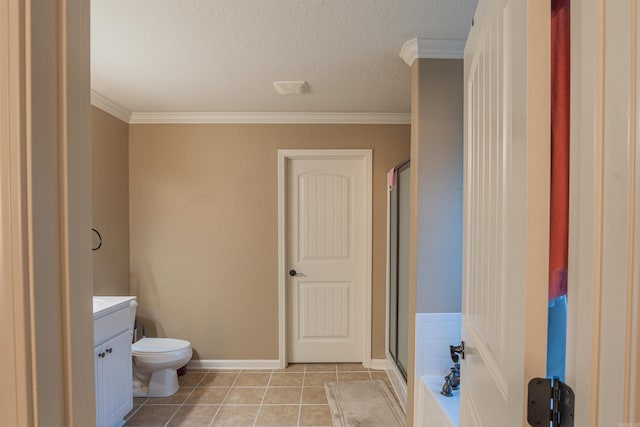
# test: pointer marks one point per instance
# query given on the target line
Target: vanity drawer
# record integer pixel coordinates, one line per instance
(111, 325)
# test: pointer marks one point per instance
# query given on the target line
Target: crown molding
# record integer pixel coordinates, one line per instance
(271, 118)
(419, 48)
(105, 104)
(108, 106)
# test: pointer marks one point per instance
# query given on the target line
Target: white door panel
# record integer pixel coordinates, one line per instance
(468, 413)
(505, 206)
(324, 217)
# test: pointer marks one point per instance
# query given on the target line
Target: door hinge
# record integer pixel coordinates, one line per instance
(550, 403)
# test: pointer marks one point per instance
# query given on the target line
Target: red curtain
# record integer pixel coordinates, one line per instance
(560, 111)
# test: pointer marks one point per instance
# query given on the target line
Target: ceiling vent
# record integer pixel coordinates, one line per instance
(291, 87)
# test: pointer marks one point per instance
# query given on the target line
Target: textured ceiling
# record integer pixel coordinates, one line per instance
(223, 55)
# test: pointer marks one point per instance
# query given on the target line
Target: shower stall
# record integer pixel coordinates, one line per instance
(398, 268)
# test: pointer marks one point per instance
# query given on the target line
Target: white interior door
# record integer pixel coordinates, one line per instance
(506, 210)
(326, 241)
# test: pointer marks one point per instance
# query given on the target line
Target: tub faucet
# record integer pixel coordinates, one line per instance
(447, 387)
(452, 380)
(454, 376)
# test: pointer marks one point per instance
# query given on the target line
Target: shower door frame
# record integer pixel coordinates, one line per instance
(402, 370)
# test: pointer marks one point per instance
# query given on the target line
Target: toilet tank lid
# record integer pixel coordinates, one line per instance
(158, 345)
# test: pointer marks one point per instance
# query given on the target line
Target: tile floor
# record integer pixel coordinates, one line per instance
(293, 396)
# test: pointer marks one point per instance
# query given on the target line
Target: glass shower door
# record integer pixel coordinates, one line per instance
(399, 269)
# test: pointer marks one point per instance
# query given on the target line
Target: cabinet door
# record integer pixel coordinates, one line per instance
(116, 376)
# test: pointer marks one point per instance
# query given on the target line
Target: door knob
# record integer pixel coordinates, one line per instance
(294, 273)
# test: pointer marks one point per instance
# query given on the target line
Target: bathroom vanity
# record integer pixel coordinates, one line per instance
(112, 359)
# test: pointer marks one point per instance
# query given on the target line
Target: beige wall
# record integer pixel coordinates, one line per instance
(437, 161)
(435, 261)
(110, 185)
(203, 203)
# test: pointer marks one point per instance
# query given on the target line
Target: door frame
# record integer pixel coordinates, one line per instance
(283, 156)
(45, 197)
(604, 291)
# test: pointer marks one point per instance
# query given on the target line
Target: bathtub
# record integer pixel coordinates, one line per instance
(434, 409)
(435, 332)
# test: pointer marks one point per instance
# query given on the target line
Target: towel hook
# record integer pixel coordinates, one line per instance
(99, 240)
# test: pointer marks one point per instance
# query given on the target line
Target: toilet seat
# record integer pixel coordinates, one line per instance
(159, 345)
(160, 350)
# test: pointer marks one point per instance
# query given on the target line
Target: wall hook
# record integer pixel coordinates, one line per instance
(99, 240)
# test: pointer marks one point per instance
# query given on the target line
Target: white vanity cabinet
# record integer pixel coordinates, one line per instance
(112, 359)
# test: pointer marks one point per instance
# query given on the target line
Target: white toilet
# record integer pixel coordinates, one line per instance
(155, 361)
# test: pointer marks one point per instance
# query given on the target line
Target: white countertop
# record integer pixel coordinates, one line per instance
(103, 305)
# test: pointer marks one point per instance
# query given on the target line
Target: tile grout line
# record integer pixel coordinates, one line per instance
(304, 374)
(134, 412)
(186, 398)
(225, 398)
(262, 400)
(146, 403)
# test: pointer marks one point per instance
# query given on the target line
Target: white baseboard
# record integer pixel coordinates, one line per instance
(379, 364)
(234, 364)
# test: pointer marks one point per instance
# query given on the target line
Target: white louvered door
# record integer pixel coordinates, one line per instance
(506, 210)
(326, 241)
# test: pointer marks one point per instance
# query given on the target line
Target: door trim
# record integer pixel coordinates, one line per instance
(604, 228)
(45, 197)
(283, 156)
